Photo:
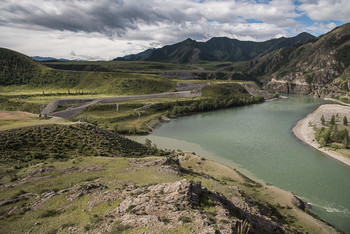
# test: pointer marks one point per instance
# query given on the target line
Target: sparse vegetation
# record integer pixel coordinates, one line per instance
(58, 177)
(327, 136)
(62, 142)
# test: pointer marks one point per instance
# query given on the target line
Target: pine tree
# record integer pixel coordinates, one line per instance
(346, 142)
(332, 122)
(345, 121)
(322, 120)
(148, 143)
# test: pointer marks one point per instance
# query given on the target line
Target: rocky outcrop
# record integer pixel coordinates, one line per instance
(170, 205)
(319, 67)
(288, 87)
(254, 90)
(300, 203)
(293, 87)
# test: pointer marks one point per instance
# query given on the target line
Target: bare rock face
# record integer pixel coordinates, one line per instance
(319, 67)
(171, 205)
(300, 203)
(168, 165)
(81, 190)
(328, 90)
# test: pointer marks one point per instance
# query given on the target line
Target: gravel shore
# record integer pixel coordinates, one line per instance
(304, 131)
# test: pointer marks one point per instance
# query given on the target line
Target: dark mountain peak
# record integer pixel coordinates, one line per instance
(305, 34)
(132, 57)
(188, 41)
(218, 49)
(220, 39)
(303, 37)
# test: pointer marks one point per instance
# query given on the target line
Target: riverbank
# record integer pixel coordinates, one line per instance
(305, 132)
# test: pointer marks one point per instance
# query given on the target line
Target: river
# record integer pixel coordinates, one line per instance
(258, 140)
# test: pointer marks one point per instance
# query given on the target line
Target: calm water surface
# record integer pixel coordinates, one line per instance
(258, 140)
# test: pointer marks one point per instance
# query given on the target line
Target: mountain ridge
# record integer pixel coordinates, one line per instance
(217, 49)
(320, 67)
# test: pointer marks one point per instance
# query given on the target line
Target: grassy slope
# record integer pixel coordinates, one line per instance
(19, 69)
(61, 141)
(130, 119)
(120, 66)
(18, 119)
(60, 213)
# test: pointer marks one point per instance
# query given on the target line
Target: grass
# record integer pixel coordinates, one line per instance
(127, 119)
(12, 121)
(120, 66)
(52, 216)
(148, 175)
(59, 213)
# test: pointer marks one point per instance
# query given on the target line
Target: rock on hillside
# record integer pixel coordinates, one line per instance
(181, 194)
(319, 67)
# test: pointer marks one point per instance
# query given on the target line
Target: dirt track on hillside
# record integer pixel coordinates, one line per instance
(51, 107)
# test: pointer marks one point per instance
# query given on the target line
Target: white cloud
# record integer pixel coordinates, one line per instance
(324, 10)
(110, 28)
(59, 44)
(320, 28)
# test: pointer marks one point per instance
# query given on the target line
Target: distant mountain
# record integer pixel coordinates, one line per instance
(320, 66)
(217, 49)
(38, 58)
(133, 57)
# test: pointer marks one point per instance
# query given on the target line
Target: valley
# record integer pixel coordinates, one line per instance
(67, 166)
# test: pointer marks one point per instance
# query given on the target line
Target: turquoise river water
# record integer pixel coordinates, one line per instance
(258, 140)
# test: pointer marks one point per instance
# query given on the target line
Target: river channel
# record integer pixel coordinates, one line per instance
(258, 140)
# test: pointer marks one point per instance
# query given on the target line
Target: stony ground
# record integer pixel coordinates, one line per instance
(179, 194)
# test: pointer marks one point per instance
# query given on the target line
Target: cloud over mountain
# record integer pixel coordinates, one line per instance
(163, 22)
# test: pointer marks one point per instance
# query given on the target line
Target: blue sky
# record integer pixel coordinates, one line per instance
(105, 29)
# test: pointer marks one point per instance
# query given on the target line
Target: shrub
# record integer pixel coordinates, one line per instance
(185, 219)
(50, 213)
(118, 227)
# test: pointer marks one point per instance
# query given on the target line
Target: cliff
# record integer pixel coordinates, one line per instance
(319, 67)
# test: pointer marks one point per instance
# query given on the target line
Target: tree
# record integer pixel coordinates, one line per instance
(322, 120)
(115, 128)
(332, 122)
(345, 121)
(346, 142)
(148, 143)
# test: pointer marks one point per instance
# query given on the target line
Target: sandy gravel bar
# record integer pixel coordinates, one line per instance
(304, 131)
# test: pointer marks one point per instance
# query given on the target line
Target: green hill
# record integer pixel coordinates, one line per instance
(61, 141)
(19, 69)
(319, 67)
(218, 49)
(16, 68)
